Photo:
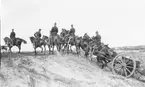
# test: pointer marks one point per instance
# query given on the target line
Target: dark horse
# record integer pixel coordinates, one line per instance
(17, 42)
(37, 44)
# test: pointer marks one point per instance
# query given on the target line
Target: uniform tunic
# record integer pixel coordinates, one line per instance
(37, 35)
(72, 31)
(12, 35)
(54, 30)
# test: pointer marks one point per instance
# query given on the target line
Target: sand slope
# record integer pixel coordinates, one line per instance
(58, 71)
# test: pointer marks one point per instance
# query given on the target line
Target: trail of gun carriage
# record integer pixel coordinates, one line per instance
(91, 63)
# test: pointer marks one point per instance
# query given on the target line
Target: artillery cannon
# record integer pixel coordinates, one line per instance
(126, 65)
(122, 64)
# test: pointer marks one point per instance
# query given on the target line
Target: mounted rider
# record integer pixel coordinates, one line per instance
(13, 36)
(38, 35)
(97, 38)
(86, 38)
(54, 30)
(72, 31)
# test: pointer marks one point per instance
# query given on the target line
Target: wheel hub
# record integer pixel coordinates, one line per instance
(124, 65)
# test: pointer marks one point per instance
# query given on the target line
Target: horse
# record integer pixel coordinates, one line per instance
(17, 42)
(63, 36)
(37, 44)
(69, 42)
(78, 44)
(86, 46)
(54, 41)
(47, 41)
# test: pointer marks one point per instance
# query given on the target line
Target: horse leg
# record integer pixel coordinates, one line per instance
(53, 49)
(35, 51)
(10, 49)
(67, 47)
(49, 48)
(78, 50)
(71, 48)
(63, 47)
(58, 47)
(19, 49)
(44, 49)
(41, 49)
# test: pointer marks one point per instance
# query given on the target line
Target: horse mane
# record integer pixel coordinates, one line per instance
(6, 38)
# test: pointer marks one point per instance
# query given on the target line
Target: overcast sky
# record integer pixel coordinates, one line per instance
(119, 22)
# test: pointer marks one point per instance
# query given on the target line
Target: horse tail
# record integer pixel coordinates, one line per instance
(24, 41)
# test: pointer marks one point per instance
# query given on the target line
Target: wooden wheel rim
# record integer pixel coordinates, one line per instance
(134, 64)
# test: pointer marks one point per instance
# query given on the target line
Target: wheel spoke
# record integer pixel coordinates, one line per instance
(125, 72)
(129, 62)
(128, 70)
(119, 61)
(121, 71)
(129, 67)
(117, 67)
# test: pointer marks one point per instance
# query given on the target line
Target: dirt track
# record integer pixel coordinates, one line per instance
(26, 70)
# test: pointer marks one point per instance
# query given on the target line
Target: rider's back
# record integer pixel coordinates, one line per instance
(12, 35)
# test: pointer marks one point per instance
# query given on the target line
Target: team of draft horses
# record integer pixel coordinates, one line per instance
(63, 42)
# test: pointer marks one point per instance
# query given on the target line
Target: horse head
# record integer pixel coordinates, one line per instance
(8, 41)
(32, 39)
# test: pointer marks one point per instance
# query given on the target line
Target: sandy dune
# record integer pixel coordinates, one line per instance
(58, 71)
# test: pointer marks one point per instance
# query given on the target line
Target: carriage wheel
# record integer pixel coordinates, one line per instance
(123, 65)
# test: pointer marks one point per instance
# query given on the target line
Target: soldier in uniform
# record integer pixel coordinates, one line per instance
(54, 30)
(97, 38)
(38, 35)
(72, 31)
(86, 38)
(12, 36)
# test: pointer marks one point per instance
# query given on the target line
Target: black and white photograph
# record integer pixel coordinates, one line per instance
(72, 43)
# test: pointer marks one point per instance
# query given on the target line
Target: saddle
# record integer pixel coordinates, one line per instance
(13, 41)
(38, 40)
